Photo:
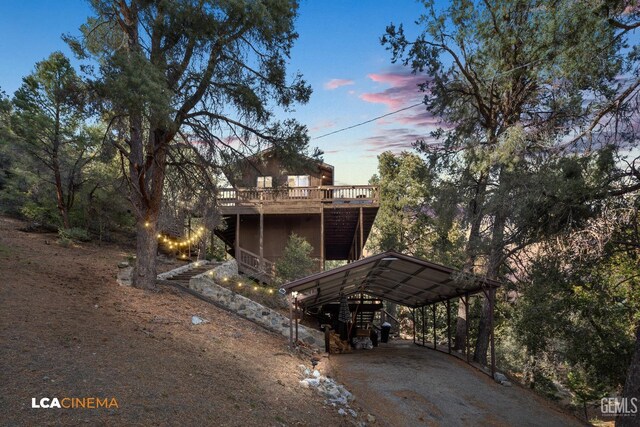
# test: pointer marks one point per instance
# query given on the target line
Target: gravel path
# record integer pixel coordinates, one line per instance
(407, 385)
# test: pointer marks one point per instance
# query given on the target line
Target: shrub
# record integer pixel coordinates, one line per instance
(296, 261)
(74, 234)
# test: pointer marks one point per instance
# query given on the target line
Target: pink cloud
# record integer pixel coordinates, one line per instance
(336, 83)
(382, 98)
(322, 125)
(396, 140)
(403, 90)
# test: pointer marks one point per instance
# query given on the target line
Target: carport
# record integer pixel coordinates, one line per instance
(402, 279)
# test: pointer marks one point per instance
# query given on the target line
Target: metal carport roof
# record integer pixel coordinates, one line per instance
(392, 276)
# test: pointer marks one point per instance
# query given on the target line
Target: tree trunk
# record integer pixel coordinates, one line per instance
(484, 331)
(146, 249)
(632, 388)
(475, 218)
(55, 165)
(495, 259)
(461, 327)
(60, 196)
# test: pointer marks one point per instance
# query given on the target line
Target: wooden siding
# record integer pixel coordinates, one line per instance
(252, 168)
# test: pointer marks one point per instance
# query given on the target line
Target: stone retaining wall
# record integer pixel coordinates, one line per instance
(250, 309)
(226, 269)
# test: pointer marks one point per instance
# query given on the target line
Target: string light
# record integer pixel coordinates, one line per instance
(180, 242)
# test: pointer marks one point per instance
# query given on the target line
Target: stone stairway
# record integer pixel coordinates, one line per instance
(184, 277)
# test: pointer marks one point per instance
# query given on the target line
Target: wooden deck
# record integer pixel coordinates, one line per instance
(295, 200)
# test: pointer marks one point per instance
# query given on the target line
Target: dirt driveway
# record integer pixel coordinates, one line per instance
(407, 385)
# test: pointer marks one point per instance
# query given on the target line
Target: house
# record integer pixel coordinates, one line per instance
(271, 199)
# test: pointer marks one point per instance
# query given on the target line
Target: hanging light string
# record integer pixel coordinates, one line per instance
(180, 243)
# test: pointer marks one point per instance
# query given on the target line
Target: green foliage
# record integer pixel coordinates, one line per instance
(217, 250)
(74, 234)
(39, 210)
(417, 215)
(515, 81)
(584, 315)
(582, 388)
(296, 261)
(49, 132)
(65, 242)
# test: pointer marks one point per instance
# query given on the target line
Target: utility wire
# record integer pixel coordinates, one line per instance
(368, 121)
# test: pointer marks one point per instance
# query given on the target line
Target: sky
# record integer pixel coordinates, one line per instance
(338, 52)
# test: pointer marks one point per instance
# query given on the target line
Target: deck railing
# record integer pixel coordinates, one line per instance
(363, 194)
(249, 263)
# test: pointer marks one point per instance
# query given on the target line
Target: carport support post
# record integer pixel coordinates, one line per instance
(296, 316)
(413, 310)
(449, 325)
(422, 311)
(291, 325)
(492, 296)
(466, 315)
(434, 325)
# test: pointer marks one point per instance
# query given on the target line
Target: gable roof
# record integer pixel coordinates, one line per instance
(392, 276)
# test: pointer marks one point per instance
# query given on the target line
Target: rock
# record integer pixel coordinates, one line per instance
(123, 264)
(342, 412)
(125, 276)
(316, 373)
(353, 413)
(196, 320)
(506, 383)
(332, 393)
(499, 377)
(371, 419)
(304, 384)
(312, 382)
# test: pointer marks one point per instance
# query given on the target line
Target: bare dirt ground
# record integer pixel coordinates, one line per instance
(415, 386)
(67, 329)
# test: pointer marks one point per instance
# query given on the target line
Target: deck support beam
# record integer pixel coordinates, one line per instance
(237, 248)
(361, 245)
(322, 254)
(261, 252)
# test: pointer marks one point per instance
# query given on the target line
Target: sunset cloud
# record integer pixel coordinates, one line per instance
(403, 90)
(322, 125)
(336, 83)
(395, 140)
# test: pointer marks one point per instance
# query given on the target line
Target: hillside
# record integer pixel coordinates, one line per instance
(68, 330)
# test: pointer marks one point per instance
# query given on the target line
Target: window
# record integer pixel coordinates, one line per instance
(298, 180)
(294, 181)
(264, 182)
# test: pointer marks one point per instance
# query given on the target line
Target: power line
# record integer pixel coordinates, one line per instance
(368, 121)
